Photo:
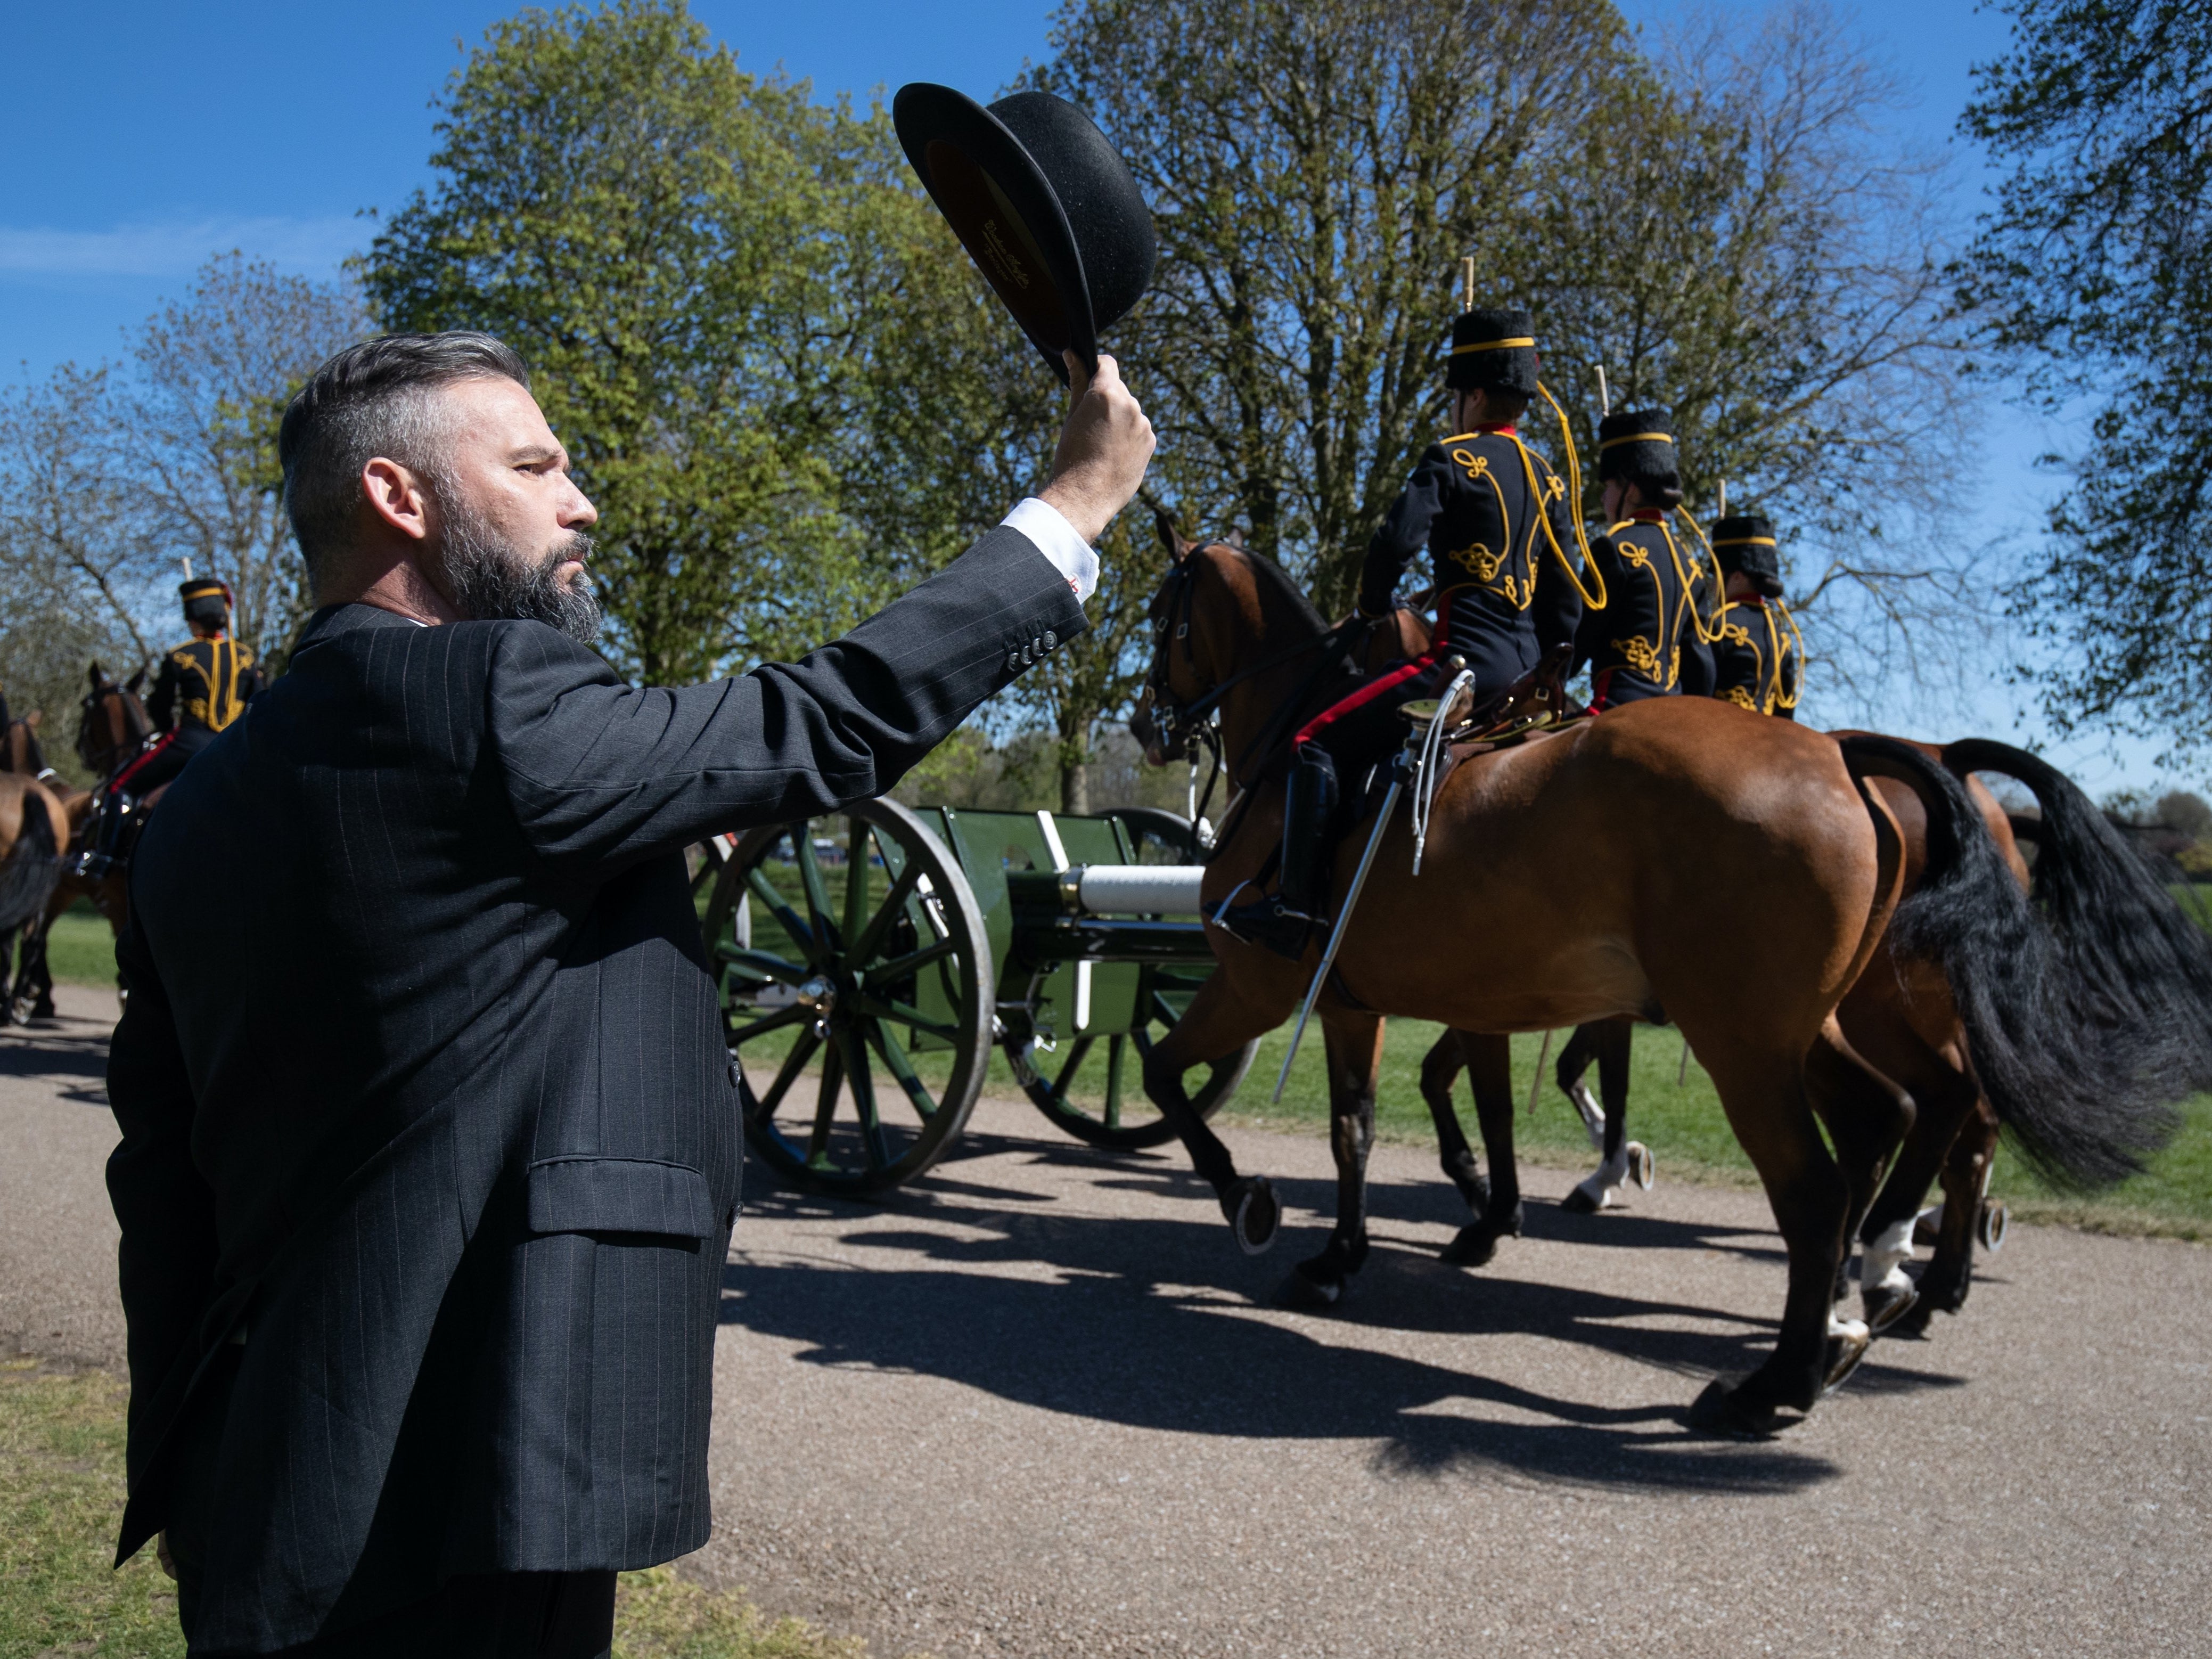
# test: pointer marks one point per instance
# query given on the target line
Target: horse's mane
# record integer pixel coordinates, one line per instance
(1273, 579)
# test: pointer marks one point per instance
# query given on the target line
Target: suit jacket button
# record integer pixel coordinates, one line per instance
(734, 1074)
(1014, 663)
(1050, 639)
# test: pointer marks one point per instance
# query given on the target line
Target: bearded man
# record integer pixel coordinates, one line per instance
(430, 1145)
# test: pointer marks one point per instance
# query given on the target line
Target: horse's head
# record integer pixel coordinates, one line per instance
(22, 751)
(112, 723)
(1226, 625)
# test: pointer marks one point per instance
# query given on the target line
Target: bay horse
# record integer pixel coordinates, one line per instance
(1894, 1016)
(32, 835)
(113, 729)
(1574, 877)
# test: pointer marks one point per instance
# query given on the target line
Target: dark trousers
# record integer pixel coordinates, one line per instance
(496, 1615)
(499, 1615)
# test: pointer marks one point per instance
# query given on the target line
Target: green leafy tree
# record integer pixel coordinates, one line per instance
(1316, 171)
(2092, 273)
(692, 260)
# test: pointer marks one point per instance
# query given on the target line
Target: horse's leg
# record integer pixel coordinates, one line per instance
(1949, 1274)
(1490, 1068)
(1582, 1049)
(1868, 1117)
(1609, 1040)
(1440, 1069)
(1764, 1093)
(1219, 1021)
(1355, 1058)
(1943, 1097)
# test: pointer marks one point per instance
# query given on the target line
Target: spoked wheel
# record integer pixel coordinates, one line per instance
(850, 956)
(1112, 1068)
(1158, 835)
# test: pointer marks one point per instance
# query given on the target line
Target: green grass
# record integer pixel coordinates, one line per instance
(61, 1494)
(81, 949)
(61, 1490)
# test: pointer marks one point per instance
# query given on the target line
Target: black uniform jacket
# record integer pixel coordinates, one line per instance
(423, 1088)
(203, 686)
(1755, 663)
(1646, 642)
(1480, 503)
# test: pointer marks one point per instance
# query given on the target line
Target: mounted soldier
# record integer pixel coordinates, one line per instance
(1497, 521)
(203, 686)
(1651, 641)
(1760, 653)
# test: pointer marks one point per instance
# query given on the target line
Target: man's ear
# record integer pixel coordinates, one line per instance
(397, 496)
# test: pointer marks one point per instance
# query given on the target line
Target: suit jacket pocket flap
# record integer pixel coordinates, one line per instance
(619, 1195)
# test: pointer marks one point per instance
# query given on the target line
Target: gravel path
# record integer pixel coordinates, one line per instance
(1041, 1406)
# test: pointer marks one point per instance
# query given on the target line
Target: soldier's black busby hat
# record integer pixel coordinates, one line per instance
(1747, 544)
(1637, 446)
(206, 600)
(1041, 201)
(1492, 351)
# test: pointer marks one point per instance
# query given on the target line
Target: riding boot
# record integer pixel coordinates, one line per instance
(1285, 922)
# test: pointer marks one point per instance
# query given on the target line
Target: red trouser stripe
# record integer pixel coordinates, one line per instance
(1374, 688)
(124, 777)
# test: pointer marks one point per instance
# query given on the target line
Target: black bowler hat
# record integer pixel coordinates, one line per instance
(1041, 201)
(1492, 351)
(1637, 446)
(1747, 544)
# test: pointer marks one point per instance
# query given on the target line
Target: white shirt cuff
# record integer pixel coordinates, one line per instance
(1053, 537)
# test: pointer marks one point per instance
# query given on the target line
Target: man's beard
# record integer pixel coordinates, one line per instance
(494, 580)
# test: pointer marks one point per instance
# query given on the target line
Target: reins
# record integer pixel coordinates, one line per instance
(1187, 725)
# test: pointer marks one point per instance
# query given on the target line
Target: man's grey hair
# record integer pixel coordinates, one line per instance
(374, 398)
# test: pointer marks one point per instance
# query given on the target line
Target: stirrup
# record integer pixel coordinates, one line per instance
(91, 866)
(1267, 921)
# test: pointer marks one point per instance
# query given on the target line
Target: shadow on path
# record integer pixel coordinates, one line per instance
(1150, 1323)
(70, 1057)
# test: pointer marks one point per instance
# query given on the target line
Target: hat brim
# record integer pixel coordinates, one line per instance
(1005, 213)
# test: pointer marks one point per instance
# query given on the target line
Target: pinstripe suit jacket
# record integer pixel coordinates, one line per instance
(423, 1086)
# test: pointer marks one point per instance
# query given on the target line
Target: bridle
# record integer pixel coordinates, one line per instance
(106, 758)
(1186, 726)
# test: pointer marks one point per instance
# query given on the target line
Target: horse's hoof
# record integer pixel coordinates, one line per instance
(1252, 1214)
(1848, 1341)
(1473, 1246)
(1722, 1409)
(1578, 1202)
(1884, 1306)
(1913, 1322)
(1311, 1285)
(1641, 1169)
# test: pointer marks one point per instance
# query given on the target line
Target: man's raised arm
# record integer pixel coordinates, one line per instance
(598, 771)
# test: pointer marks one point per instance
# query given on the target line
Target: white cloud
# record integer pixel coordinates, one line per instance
(311, 246)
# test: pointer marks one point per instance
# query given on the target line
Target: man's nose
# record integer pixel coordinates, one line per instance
(580, 513)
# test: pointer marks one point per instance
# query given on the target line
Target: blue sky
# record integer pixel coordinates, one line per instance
(141, 138)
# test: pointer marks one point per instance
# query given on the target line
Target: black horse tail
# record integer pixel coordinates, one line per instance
(2117, 916)
(28, 873)
(2077, 1068)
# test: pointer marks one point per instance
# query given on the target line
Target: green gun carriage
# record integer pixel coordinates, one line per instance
(869, 964)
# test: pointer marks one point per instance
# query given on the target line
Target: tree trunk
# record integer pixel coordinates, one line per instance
(1074, 762)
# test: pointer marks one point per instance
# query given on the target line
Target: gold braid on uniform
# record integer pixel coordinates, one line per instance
(1798, 638)
(1574, 505)
(1477, 560)
(1720, 580)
